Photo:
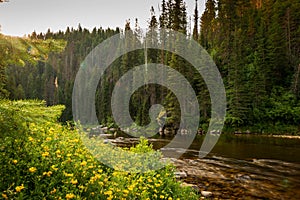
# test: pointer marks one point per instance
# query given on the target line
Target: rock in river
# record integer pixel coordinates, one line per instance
(180, 174)
(206, 193)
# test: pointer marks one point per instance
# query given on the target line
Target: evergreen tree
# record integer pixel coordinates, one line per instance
(163, 16)
(195, 30)
(207, 20)
(153, 54)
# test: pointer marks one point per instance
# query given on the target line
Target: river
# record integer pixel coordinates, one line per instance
(239, 166)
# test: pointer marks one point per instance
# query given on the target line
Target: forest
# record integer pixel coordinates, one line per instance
(255, 45)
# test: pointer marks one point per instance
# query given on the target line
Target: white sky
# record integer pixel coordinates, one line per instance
(20, 17)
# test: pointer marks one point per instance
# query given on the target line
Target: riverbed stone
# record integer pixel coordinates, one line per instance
(180, 174)
(243, 177)
(206, 193)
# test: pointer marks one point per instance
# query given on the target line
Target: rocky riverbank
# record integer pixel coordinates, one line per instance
(220, 178)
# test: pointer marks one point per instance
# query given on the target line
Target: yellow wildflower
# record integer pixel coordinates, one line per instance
(45, 154)
(97, 176)
(19, 188)
(101, 183)
(53, 191)
(170, 198)
(126, 191)
(130, 187)
(32, 169)
(54, 168)
(48, 138)
(74, 182)
(76, 140)
(81, 187)
(70, 196)
(51, 130)
(108, 192)
(46, 148)
(115, 173)
(162, 196)
(83, 163)
(68, 175)
(110, 198)
(4, 196)
(157, 185)
(15, 161)
(92, 179)
(32, 125)
(47, 173)
(30, 139)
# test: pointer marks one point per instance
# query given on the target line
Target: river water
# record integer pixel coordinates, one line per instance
(240, 167)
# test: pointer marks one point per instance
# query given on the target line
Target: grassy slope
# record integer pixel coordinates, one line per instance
(18, 50)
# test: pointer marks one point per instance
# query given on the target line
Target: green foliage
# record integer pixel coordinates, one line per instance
(142, 147)
(283, 108)
(41, 159)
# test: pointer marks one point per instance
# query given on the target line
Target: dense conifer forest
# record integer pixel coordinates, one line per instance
(254, 43)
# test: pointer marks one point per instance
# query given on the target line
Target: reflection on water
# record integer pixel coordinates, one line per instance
(241, 167)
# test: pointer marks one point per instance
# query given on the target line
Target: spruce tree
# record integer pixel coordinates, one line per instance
(195, 29)
(207, 20)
